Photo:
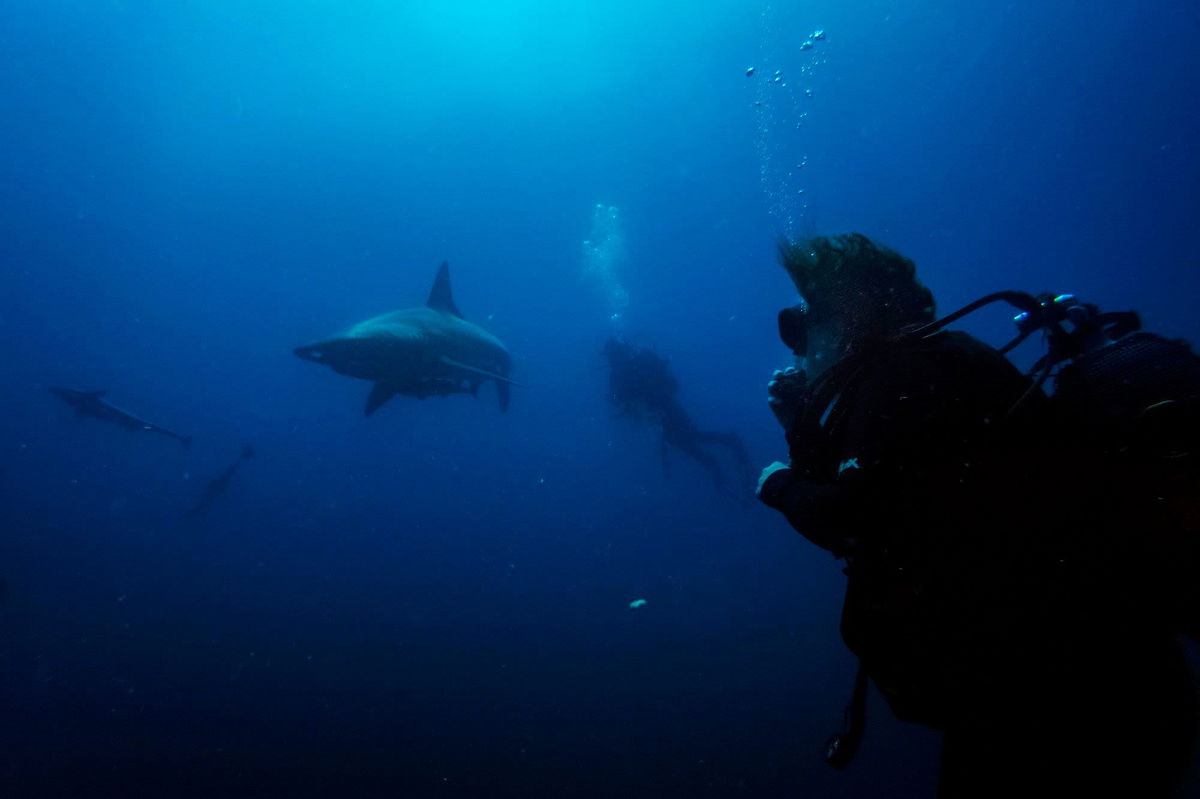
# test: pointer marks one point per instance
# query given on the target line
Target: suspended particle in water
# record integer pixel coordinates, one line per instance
(749, 71)
(817, 35)
(807, 44)
(808, 92)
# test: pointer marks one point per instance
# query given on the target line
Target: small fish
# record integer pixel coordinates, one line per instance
(217, 486)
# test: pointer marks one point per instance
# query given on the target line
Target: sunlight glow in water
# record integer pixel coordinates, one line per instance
(522, 44)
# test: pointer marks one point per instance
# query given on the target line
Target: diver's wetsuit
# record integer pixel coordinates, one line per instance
(991, 594)
(640, 383)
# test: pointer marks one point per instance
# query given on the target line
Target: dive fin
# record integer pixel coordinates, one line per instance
(440, 298)
(380, 393)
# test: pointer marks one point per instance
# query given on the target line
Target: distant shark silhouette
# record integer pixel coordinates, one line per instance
(218, 485)
(418, 352)
(91, 403)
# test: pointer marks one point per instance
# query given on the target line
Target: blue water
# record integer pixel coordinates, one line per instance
(435, 601)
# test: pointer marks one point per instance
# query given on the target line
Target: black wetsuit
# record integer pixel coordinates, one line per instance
(993, 591)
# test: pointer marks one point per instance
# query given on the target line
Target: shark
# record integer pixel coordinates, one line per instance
(92, 404)
(424, 351)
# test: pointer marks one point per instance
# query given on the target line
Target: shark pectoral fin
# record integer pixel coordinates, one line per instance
(380, 393)
(475, 370)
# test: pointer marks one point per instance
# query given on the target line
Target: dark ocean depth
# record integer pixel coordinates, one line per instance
(442, 599)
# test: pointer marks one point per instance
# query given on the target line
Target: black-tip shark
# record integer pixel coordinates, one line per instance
(418, 352)
(92, 403)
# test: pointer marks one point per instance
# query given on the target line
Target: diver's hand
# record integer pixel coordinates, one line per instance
(786, 391)
(766, 475)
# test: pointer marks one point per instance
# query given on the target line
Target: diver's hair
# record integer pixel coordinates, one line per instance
(849, 274)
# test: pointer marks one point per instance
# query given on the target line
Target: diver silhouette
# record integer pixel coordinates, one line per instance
(641, 386)
(1003, 585)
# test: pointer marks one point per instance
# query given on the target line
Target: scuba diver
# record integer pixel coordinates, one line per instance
(1006, 582)
(641, 385)
(219, 484)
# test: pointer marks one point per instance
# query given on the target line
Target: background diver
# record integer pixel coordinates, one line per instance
(641, 385)
(219, 484)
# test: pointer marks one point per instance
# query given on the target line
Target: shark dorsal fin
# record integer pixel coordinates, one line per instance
(440, 298)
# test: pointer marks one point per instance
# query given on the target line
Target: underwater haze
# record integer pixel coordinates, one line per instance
(443, 599)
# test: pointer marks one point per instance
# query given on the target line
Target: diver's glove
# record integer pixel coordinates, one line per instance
(787, 392)
(821, 512)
